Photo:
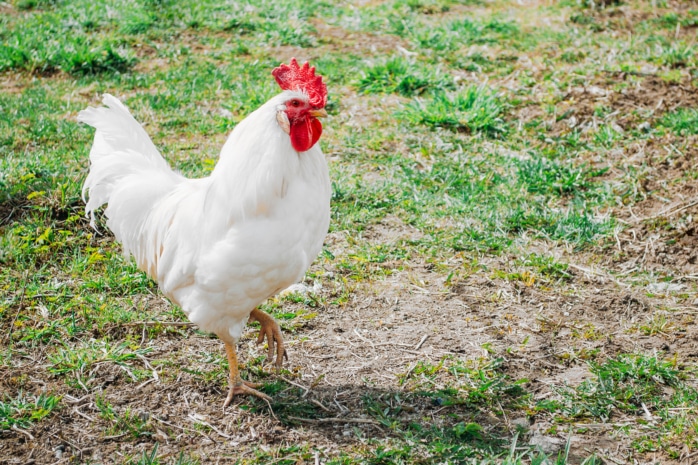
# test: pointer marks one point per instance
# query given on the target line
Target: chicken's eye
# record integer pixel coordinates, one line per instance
(295, 103)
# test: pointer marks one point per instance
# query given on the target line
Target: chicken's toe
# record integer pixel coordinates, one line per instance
(271, 331)
(244, 387)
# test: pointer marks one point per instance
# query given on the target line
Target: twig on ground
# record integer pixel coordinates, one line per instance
(271, 410)
(149, 366)
(600, 274)
(613, 460)
(187, 430)
(295, 384)
(323, 357)
(128, 372)
(398, 344)
(420, 289)
(336, 420)
(25, 432)
(648, 415)
(314, 384)
(145, 383)
(684, 458)
(74, 400)
(414, 352)
(319, 404)
(407, 375)
(158, 323)
(77, 378)
(667, 213)
(356, 331)
(85, 416)
(205, 423)
(424, 338)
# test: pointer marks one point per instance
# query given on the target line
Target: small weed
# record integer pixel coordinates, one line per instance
(628, 384)
(473, 110)
(453, 36)
(683, 121)
(606, 136)
(582, 19)
(78, 363)
(473, 382)
(32, 4)
(426, 7)
(24, 411)
(597, 4)
(25, 49)
(487, 384)
(576, 225)
(678, 56)
(151, 458)
(547, 266)
(658, 323)
(148, 458)
(405, 77)
(545, 176)
(134, 424)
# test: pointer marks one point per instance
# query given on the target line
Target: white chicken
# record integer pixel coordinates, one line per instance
(221, 245)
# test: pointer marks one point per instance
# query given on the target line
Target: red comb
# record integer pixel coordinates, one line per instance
(302, 78)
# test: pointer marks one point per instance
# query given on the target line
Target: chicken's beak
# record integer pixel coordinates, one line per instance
(321, 113)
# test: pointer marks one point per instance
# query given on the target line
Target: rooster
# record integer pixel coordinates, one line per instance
(219, 246)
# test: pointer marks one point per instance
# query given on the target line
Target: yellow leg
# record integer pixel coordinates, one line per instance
(237, 385)
(272, 331)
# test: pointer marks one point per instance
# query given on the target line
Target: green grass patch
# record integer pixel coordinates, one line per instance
(38, 45)
(474, 110)
(628, 384)
(646, 387)
(402, 76)
(151, 457)
(76, 363)
(544, 176)
(683, 121)
(24, 410)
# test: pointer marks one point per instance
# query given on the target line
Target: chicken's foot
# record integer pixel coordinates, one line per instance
(271, 330)
(237, 384)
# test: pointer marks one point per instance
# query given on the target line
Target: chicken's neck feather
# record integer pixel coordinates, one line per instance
(256, 164)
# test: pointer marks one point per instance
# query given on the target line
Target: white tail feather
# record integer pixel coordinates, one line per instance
(126, 172)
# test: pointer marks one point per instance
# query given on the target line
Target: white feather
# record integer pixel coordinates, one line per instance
(221, 245)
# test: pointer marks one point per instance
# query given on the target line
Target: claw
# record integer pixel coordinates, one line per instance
(270, 331)
(244, 387)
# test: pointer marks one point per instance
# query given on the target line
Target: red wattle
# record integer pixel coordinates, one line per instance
(305, 133)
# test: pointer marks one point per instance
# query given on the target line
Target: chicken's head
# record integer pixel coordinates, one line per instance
(299, 114)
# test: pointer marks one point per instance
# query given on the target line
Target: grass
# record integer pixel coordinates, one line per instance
(470, 160)
(22, 411)
(640, 386)
(151, 458)
(474, 110)
(402, 76)
(683, 121)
